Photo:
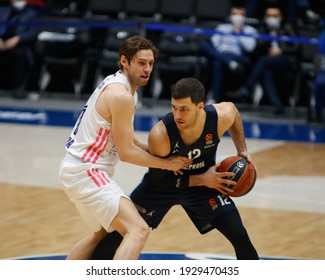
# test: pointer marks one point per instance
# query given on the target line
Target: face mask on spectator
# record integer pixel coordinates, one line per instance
(19, 5)
(272, 22)
(237, 19)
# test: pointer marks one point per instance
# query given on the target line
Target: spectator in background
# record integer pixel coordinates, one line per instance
(228, 51)
(316, 116)
(275, 57)
(16, 45)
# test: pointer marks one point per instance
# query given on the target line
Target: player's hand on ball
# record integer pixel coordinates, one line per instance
(248, 157)
(218, 180)
(245, 173)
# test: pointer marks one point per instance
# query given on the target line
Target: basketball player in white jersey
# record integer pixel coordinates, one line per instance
(102, 135)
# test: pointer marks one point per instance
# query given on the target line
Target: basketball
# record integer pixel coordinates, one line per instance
(245, 174)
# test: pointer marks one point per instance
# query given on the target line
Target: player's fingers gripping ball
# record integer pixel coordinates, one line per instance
(245, 174)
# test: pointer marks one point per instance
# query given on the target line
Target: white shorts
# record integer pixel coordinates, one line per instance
(95, 195)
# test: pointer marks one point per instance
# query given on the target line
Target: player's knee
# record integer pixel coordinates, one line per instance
(141, 232)
(145, 231)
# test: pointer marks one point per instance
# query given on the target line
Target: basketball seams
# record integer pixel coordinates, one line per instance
(239, 172)
(245, 174)
(246, 180)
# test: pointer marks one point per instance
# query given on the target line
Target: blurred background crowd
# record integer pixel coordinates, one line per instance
(253, 52)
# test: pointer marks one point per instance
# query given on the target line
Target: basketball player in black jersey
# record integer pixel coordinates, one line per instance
(192, 130)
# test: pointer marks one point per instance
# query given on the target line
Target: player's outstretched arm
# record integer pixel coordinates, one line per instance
(122, 108)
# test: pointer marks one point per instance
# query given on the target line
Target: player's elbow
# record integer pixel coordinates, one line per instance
(125, 156)
(128, 155)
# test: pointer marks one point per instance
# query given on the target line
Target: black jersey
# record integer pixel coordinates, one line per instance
(202, 152)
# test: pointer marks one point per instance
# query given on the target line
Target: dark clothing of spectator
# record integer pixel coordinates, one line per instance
(16, 45)
(271, 64)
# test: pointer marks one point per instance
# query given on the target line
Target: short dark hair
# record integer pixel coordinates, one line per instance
(189, 87)
(132, 45)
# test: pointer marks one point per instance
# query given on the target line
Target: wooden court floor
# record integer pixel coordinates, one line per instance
(285, 215)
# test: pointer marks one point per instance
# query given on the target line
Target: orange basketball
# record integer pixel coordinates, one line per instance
(245, 174)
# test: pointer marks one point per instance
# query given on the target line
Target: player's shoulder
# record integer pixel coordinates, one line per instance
(117, 92)
(117, 85)
(158, 141)
(158, 130)
(224, 105)
(115, 100)
(225, 108)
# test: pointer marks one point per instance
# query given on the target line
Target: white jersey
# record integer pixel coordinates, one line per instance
(91, 138)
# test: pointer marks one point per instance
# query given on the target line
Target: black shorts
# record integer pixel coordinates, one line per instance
(203, 205)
